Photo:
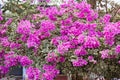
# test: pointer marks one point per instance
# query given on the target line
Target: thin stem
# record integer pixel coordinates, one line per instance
(106, 6)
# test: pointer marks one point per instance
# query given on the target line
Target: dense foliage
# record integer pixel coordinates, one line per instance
(70, 38)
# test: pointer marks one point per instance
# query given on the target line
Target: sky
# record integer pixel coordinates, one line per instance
(117, 1)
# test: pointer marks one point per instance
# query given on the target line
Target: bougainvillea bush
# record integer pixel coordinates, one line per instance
(70, 38)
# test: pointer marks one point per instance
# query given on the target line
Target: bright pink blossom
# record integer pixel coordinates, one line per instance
(50, 72)
(5, 42)
(80, 52)
(61, 59)
(10, 60)
(106, 18)
(33, 41)
(91, 42)
(2, 54)
(51, 57)
(14, 45)
(25, 61)
(117, 49)
(33, 73)
(24, 27)
(4, 69)
(81, 39)
(80, 62)
(47, 26)
(63, 48)
(104, 54)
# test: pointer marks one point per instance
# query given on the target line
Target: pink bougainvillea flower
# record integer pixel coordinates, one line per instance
(80, 51)
(47, 26)
(4, 69)
(14, 45)
(79, 62)
(50, 72)
(2, 52)
(5, 42)
(10, 60)
(51, 57)
(63, 48)
(104, 54)
(81, 39)
(61, 59)
(24, 27)
(33, 41)
(106, 18)
(33, 73)
(25, 61)
(91, 42)
(117, 49)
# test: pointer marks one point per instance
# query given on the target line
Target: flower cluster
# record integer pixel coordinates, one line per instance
(63, 48)
(117, 49)
(80, 62)
(24, 27)
(80, 52)
(4, 70)
(33, 36)
(104, 54)
(2, 54)
(106, 18)
(51, 13)
(91, 59)
(54, 58)
(50, 72)
(25, 61)
(71, 33)
(11, 59)
(51, 57)
(110, 31)
(91, 42)
(33, 73)
(14, 45)
(33, 41)
(80, 37)
(85, 11)
(5, 42)
(75, 35)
